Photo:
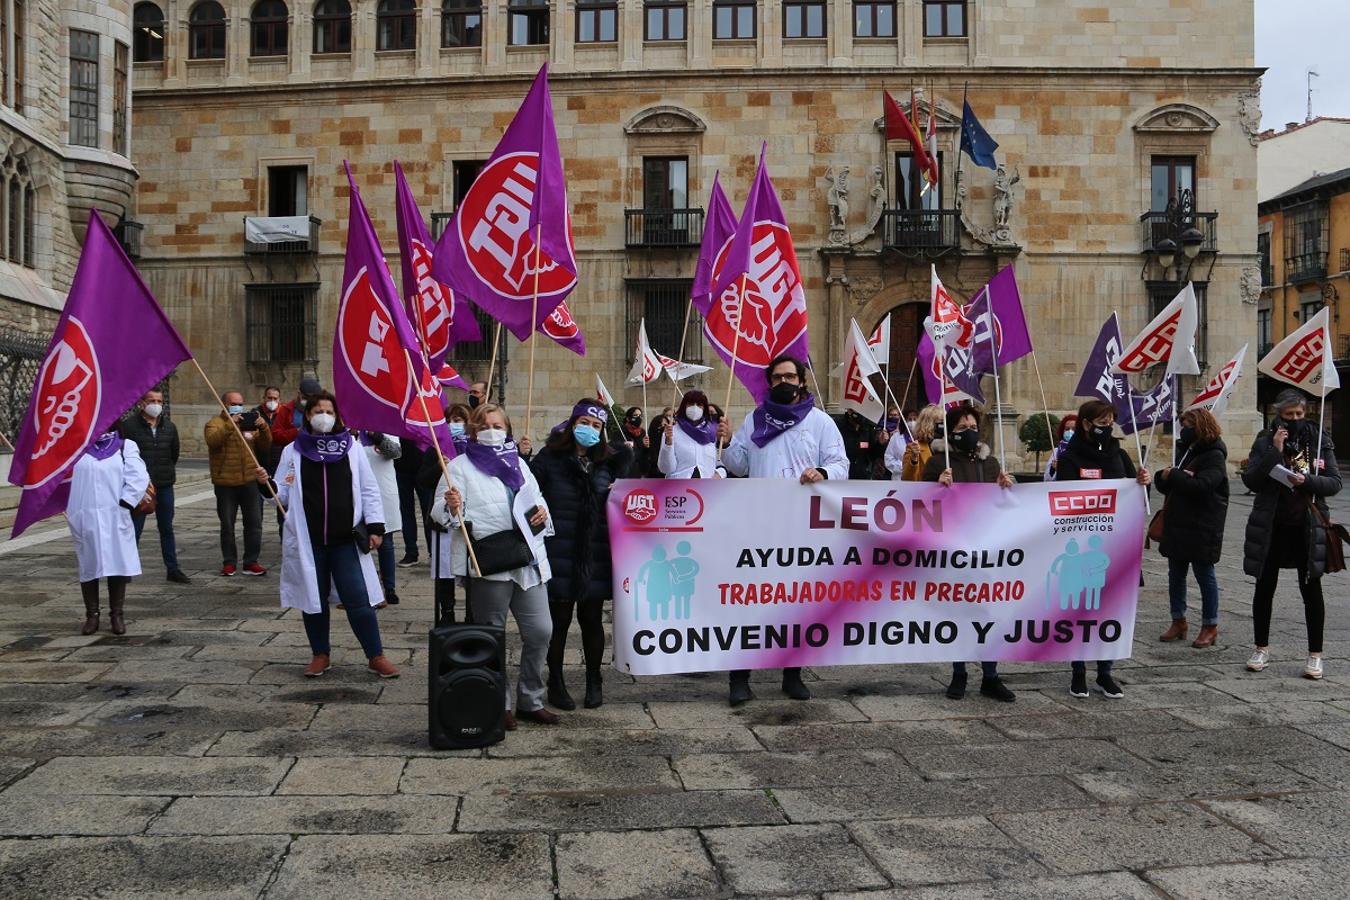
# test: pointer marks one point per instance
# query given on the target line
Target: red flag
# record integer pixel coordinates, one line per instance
(900, 128)
(561, 328)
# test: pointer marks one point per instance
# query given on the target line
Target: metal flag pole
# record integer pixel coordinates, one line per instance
(248, 448)
(735, 348)
(534, 325)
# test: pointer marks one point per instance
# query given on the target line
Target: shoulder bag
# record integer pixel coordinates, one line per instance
(1337, 537)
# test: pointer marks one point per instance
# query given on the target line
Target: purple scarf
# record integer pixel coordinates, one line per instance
(502, 463)
(773, 419)
(460, 442)
(703, 431)
(323, 448)
(105, 445)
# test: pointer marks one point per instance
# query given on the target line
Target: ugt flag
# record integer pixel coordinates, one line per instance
(717, 233)
(1000, 323)
(489, 251)
(1169, 338)
(1303, 359)
(1097, 380)
(377, 370)
(947, 374)
(1148, 408)
(111, 345)
(757, 291)
(563, 330)
(441, 319)
(1215, 395)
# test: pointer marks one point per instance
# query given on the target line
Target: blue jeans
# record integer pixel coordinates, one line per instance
(1209, 589)
(168, 548)
(340, 565)
(988, 669)
(388, 563)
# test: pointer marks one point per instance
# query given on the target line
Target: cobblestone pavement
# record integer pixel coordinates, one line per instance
(190, 758)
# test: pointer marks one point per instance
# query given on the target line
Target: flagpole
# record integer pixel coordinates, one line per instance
(998, 397)
(735, 348)
(7, 443)
(941, 351)
(534, 324)
(248, 448)
(965, 101)
(609, 406)
(1321, 418)
(684, 336)
(909, 383)
(1049, 431)
(810, 367)
(496, 343)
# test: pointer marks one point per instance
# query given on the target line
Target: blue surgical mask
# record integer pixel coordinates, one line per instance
(457, 429)
(236, 408)
(586, 435)
(1068, 434)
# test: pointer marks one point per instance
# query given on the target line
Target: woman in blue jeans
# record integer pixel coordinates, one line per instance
(1196, 489)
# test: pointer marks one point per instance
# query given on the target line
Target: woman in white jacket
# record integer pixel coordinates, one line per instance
(381, 451)
(689, 442)
(494, 491)
(334, 518)
(108, 481)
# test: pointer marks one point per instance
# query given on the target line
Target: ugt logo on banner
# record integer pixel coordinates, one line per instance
(494, 231)
(774, 313)
(369, 345)
(560, 325)
(66, 404)
(436, 302)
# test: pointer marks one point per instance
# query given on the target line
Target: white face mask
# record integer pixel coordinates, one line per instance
(322, 423)
(693, 413)
(154, 409)
(271, 405)
(491, 437)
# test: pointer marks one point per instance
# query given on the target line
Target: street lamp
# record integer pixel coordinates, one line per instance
(1177, 231)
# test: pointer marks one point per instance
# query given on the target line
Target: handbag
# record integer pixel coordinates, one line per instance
(148, 502)
(500, 551)
(1155, 525)
(1337, 537)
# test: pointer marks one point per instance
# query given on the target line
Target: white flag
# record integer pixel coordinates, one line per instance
(647, 367)
(1304, 358)
(1169, 338)
(860, 373)
(602, 393)
(1215, 395)
(880, 342)
(946, 324)
(679, 371)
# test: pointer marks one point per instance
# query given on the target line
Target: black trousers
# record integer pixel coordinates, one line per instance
(591, 617)
(230, 503)
(1286, 542)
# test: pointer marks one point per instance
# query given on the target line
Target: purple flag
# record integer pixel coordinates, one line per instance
(717, 231)
(379, 376)
(1009, 322)
(564, 330)
(439, 318)
(488, 252)
(1097, 380)
(111, 345)
(757, 291)
(962, 382)
(1148, 408)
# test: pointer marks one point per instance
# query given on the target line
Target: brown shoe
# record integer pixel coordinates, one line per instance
(539, 716)
(510, 721)
(382, 667)
(1177, 632)
(1208, 634)
(317, 666)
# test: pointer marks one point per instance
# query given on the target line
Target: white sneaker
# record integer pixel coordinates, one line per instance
(1313, 669)
(1258, 660)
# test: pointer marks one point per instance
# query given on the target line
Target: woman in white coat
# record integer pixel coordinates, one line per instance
(688, 444)
(334, 518)
(494, 491)
(381, 451)
(107, 483)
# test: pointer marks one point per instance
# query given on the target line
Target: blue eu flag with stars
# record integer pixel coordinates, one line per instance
(975, 141)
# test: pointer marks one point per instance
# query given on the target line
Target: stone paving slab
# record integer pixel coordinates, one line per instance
(909, 795)
(710, 771)
(133, 776)
(548, 742)
(146, 740)
(1053, 757)
(605, 865)
(1294, 823)
(568, 773)
(945, 850)
(878, 735)
(1283, 878)
(307, 815)
(791, 858)
(40, 814)
(1115, 885)
(565, 810)
(1198, 780)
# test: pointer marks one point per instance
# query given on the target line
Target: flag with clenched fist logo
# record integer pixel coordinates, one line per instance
(717, 234)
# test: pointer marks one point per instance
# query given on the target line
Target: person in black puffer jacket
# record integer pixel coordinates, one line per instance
(157, 439)
(575, 471)
(1197, 505)
(1283, 532)
(1094, 453)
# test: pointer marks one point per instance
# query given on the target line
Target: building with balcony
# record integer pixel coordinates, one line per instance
(1113, 120)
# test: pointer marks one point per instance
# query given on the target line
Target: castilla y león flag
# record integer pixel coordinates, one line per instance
(1304, 358)
(717, 232)
(1169, 338)
(757, 291)
(510, 240)
(111, 345)
(378, 372)
(440, 319)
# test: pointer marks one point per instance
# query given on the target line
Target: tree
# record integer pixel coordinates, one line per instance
(1038, 433)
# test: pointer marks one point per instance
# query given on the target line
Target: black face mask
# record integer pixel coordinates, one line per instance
(635, 421)
(784, 394)
(474, 401)
(1101, 433)
(967, 441)
(1186, 435)
(1293, 426)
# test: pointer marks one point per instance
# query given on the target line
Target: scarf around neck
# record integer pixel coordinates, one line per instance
(502, 463)
(105, 445)
(702, 432)
(773, 419)
(323, 448)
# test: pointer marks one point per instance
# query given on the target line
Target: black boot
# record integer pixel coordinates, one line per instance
(117, 598)
(89, 590)
(793, 686)
(594, 696)
(957, 689)
(558, 698)
(740, 688)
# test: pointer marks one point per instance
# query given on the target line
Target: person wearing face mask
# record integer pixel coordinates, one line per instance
(1196, 489)
(906, 461)
(861, 444)
(289, 417)
(157, 440)
(786, 437)
(492, 490)
(382, 452)
(971, 463)
(1284, 529)
(1094, 453)
(234, 439)
(267, 412)
(656, 431)
(1063, 434)
(478, 394)
(575, 471)
(107, 482)
(633, 434)
(688, 444)
(334, 519)
(890, 426)
(428, 477)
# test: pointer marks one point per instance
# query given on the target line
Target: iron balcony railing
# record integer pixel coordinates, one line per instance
(1155, 226)
(128, 233)
(663, 227)
(268, 235)
(928, 231)
(1306, 266)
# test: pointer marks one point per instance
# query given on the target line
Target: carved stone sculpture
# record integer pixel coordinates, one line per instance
(876, 205)
(1003, 198)
(1250, 285)
(837, 199)
(1249, 113)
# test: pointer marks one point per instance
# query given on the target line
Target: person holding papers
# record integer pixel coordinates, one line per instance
(1292, 470)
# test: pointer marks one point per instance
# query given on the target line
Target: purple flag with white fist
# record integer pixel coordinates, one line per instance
(717, 231)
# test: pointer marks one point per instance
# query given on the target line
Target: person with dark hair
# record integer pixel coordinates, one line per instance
(785, 437)
(575, 471)
(635, 436)
(906, 460)
(1063, 434)
(289, 416)
(1094, 453)
(233, 440)
(334, 519)
(157, 439)
(688, 443)
(1284, 528)
(478, 392)
(862, 445)
(656, 432)
(971, 463)
(382, 452)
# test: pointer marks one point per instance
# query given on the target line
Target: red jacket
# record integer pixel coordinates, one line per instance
(283, 431)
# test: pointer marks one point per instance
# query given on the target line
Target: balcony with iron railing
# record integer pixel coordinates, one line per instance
(658, 228)
(272, 235)
(1157, 226)
(128, 233)
(1306, 266)
(929, 232)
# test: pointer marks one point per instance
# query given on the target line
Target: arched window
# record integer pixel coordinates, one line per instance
(29, 226)
(332, 26)
(147, 33)
(396, 24)
(462, 23)
(19, 216)
(206, 31)
(268, 30)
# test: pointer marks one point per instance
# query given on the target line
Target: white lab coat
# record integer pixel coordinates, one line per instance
(105, 539)
(383, 469)
(679, 458)
(485, 509)
(813, 443)
(299, 585)
(894, 459)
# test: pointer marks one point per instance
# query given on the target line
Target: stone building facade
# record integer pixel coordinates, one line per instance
(1104, 113)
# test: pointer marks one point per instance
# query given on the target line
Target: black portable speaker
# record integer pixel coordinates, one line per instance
(466, 703)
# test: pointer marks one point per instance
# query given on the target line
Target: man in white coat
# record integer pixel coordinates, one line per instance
(786, 437)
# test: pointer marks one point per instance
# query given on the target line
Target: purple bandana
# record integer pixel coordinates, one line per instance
(703, 431)
(105, 445)
(460, 442)
(590, 408)
(502, 463)
(772, 419)
(323, 448)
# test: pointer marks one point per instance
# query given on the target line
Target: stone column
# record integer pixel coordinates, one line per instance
(428, 36)
(363, 38)
(236, 47)
(631, 29)
(698, 33)
(836, 302)
(496, 30)
(909, 31)
(840, 32)
(770, 31)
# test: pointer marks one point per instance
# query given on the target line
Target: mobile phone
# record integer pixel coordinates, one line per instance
(529, 514)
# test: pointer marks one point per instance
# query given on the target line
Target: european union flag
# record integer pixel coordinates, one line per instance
(975, 141)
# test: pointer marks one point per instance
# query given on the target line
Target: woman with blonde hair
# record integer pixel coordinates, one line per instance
(906, 461)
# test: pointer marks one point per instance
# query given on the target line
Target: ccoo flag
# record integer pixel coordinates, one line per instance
(1169, 338)
(717, 233)
(757, 291)
(1215, 395)
(647, 366)
(1303, 359)
(377, 370)
(90, 373)
(488, 252)
(862, 378)
(1148, 408)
